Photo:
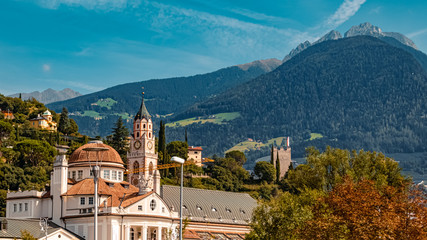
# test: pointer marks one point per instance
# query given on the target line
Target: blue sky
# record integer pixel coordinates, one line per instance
(89, 45)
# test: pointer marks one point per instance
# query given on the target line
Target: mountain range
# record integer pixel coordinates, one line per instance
(97, 112)
(49, 95)
(364, 90)
(356, 92)
(364, 29)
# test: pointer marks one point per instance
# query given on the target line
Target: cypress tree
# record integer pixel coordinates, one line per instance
(277, 167)
(64, 121)
(186, 139)
(162, 147)
(272, 155)
(162, 139)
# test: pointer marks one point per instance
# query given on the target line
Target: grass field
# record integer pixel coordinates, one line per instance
(219, 118)
(251, 145)
(315, 136)
(107, 103)
(91, 114)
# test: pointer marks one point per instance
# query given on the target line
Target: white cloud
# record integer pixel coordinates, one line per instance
(84, 52)
(417, 33)
(346, 10)
(259, 16)
(375, 10)
(46, 67)
(106, 5)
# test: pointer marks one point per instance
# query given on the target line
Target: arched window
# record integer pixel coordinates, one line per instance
(149, 135)
(143, 126)
(137, 134)
(135, 165)
(150, 168)
(137, 126)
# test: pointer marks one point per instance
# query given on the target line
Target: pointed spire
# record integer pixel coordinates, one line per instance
(143, 112)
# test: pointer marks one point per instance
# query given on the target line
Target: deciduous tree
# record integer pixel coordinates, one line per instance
(265, 171)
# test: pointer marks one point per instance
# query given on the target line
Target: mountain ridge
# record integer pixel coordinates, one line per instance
(358, 92)
(365, 29)
(96, 113)
(49, 95)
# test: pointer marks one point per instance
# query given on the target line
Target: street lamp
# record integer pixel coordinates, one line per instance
(180, 161)
(95, 173)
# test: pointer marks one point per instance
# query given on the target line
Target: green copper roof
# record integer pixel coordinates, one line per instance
(143, 112)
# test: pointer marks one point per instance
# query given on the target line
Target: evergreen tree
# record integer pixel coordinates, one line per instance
(162, 148)
(119, 139)
(272, 154)
(64, 121)
(67, 125)
(162, 139)
(277, 167)
(186, 137)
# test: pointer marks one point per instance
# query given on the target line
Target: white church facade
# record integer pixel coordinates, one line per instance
(138, 209)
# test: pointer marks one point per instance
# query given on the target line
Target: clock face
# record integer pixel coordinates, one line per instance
(150, 145)
(137, 144)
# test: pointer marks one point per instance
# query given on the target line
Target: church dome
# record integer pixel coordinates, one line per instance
(110, 155)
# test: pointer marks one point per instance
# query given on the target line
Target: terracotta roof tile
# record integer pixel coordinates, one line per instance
(79, 155)
(133, 198)
(195, 148)
(114, 190)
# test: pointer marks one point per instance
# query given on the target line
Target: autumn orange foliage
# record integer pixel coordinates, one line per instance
(364, 211)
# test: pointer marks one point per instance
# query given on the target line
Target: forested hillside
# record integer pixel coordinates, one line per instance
(358, 93)
(95, 113)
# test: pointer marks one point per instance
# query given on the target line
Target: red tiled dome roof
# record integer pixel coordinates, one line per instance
(110, 155)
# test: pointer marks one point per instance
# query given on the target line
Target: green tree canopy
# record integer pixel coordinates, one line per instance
(34, 153)
(7, 132)
(265, 171)
(119, 139)
(67, 125)
(324, 170)
(236, 155)
(177, 148)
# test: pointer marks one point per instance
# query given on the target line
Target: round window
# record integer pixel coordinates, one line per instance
(153, 205)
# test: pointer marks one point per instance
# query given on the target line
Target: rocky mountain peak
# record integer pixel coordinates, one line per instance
(267, 65)
(364, 29)
(332, 35)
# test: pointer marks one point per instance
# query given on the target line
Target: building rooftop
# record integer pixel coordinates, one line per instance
(13, 228)
(191, 148)
(80, 155)
(143, 112)
(212, 206)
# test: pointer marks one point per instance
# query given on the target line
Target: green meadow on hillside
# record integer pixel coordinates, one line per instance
(219, 118)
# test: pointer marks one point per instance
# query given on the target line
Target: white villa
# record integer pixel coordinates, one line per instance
(138, 209)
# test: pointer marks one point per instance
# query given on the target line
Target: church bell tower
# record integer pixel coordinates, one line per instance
(142, 158)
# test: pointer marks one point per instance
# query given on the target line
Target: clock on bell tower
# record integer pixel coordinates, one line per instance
(142, 156)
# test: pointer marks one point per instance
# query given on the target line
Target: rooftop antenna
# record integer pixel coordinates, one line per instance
(95, 172)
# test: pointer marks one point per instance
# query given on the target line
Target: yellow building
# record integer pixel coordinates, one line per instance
(44, 121)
